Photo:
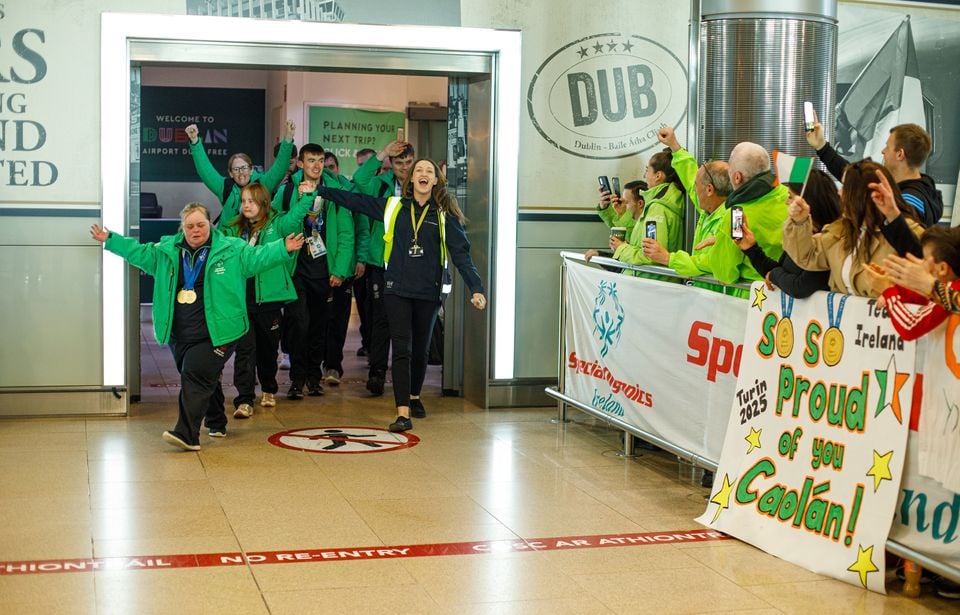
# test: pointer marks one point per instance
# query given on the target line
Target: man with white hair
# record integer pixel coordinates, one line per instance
(764, 211)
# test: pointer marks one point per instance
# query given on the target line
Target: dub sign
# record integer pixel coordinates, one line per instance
(606, 95)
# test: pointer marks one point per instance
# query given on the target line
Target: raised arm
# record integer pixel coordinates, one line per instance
(208, 174)
(278, 170)
(370, 206)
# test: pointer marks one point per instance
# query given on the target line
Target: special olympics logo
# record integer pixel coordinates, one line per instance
(608, 317)
(605, 96)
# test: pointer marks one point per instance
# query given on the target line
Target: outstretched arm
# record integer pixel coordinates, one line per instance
(360, 203)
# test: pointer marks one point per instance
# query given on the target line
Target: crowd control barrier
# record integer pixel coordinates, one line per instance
(660, 359)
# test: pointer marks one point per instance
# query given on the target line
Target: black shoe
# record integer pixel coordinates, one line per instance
(375, 385)
(362, 352)
(401, 424)
(947, 588)
(417, 410)
(314, 389)
(707, 479)
(295, 392)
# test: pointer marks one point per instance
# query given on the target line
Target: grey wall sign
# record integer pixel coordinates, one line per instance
(605, 96)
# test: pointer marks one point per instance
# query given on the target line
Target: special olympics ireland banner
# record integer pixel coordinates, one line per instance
(815, 447)
(660, 356)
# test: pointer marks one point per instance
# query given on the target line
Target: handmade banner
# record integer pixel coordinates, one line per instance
(346, 131)
(662, 357)
(815, 447)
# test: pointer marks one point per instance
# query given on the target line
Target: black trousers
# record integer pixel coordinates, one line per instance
(378, 349)
(257, 356)
(411, 324)
(338, 319)
(307, 327)
(201, 396)
(360, 295)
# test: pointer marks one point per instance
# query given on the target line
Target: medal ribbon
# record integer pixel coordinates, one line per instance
(416, 224)
(830, 319)
(192, 267)
(786, 304)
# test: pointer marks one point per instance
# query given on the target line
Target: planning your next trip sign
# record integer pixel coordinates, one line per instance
(606, 95)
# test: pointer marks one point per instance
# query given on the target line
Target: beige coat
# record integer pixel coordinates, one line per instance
(824, 251)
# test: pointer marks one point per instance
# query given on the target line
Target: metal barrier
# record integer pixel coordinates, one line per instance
(563, 401)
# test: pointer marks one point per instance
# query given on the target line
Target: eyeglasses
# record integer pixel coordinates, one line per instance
(707, 172)
(241, 169)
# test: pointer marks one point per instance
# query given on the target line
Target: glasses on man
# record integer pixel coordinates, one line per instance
(707, 172)
(240, 169)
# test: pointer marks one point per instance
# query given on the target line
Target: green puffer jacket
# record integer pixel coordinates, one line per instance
(663, 205)
(341, 259)
(275, 284)
(212, 179)
(368, 182)
(230, 263)
(611, 219)
(765, 210)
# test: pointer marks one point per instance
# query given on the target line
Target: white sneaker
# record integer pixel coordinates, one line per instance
(243, 411)
(268, 400)
(332, 377)
(284, 361)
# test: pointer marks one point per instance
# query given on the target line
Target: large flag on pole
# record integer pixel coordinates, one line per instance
(886, 93)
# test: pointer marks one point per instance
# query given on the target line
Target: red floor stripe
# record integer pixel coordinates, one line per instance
(159, 562)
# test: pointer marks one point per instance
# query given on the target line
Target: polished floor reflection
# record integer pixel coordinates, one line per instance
(110, 488)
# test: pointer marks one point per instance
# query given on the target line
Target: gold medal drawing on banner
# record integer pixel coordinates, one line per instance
(186, 296)
(833, 337)
(784, 340)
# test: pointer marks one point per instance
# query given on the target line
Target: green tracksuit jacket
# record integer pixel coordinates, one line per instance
(382, 186)
(230, 263)
(663, 205)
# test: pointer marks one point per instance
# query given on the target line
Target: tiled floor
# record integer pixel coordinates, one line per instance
(110, 488)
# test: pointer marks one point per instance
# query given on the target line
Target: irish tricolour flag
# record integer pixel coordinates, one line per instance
(791, 169)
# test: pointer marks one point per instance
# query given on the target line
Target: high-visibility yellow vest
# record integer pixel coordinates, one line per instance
(390, 213)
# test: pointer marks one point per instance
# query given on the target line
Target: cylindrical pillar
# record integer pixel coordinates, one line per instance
(760, 61)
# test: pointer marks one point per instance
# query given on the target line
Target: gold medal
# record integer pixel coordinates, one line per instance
(832, 346)
(186, 296)
(784, 339)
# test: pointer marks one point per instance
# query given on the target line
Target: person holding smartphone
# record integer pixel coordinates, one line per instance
(614, 209)
(846, 246)
(663, 206)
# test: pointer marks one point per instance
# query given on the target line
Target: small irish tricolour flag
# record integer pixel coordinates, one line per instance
(791, 169)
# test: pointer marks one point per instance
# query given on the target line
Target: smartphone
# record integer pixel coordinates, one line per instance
(736, 222)
(651, 229)
(401, 134)
(808, 116)
(616, 186)
(604, 183)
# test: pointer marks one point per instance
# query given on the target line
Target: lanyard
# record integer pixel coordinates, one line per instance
(418, 223)
(786, 303)
(192, 267)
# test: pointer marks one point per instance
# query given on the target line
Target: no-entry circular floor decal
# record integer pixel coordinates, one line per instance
(343, 439)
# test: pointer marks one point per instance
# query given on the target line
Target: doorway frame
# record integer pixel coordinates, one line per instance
(500, 49)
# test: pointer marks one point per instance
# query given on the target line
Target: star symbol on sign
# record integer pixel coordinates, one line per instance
(611, 46)
(890, 389)
(722, 497)
(598, 48)
(881, 469)
(864, 563)
(628, 47)
(583, 52)
(753, 439)
(759, 297)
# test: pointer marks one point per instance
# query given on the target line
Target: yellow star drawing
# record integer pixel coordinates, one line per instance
(864, 563)
(722, 497)
(759, 297)
(881, 469)
(753, 439)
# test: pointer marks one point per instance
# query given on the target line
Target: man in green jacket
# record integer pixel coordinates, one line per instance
(241, 172)
(325, 261)
(388, 184)
(199, 307)
(764, 207)
(708, 186)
